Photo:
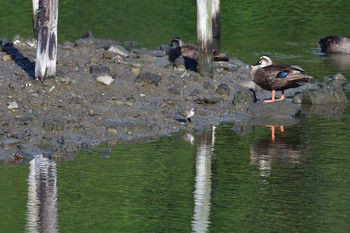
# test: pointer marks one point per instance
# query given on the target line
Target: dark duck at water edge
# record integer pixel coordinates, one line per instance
(334, 44)
(189, 52)
(277, 77)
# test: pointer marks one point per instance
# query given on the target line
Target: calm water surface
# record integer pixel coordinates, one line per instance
(217, 181)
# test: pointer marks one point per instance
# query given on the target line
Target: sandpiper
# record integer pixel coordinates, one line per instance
(188, 114)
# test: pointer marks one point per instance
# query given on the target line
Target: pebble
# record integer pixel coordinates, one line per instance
(6, 58)
(52, 89)
(119, 50)
(105, 79)
(13, 105)
(129, 104)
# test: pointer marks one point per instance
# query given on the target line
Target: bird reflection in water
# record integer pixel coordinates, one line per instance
(277, 149)
(273, 131)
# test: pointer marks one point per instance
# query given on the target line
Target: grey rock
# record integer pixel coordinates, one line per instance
(147, 78)
(8, 143)
(195, 92)
(347, 87)
(207, 100)
(99, 69)
(277, 113)
(243, 99)
(226, 66)
(208, 85)
(174, 90)
(323, 94)
(223, 89)
(108, 55)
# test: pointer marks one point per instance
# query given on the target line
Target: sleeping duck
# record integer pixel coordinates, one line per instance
(181, 49)
(277, 77)
(190, 52)
(335, 44)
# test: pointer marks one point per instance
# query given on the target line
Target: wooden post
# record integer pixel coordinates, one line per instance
(46, 26)
(216, 26)
(35, 5)
(205, 37)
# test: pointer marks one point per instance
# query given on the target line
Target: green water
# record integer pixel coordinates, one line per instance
(287, 30)
(298, 183)
(223, 183)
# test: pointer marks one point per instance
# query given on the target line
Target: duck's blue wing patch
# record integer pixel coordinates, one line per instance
(283, 74)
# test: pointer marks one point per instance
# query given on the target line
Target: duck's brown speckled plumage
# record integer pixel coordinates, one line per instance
(277, 77)
(266, 77)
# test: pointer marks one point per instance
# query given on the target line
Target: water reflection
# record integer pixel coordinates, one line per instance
(202, 193)
(337, 61)
(277, 149)
(42, 196)
(187, 137)
(329, 111)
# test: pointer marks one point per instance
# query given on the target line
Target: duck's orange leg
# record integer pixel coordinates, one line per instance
(282, 129)
(273, 93)
(282, 96)
(273, 97)
(273, 129)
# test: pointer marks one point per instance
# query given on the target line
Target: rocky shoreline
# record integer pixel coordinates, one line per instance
(106, 92)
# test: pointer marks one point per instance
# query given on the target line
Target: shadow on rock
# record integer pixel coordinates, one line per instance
(23, 62)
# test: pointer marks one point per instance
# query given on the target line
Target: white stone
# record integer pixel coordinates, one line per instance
(105, 79)
(13, 105)
(52, 89)
(119, 50)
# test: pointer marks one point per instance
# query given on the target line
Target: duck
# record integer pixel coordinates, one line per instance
(277, 77)
(190, 53)
(179, 48)
(334, 44)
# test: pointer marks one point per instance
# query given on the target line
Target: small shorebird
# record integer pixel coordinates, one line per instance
(188, 114)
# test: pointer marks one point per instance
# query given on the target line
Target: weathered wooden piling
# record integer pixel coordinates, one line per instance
(216, 15)
(45, 17)
(205, 37)
(35, 6)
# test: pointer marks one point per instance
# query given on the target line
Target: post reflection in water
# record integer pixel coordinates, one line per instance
(276, 149)
(202, 193)
(42, 196)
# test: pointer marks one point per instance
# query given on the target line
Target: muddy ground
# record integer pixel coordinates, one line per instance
(75, 110)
